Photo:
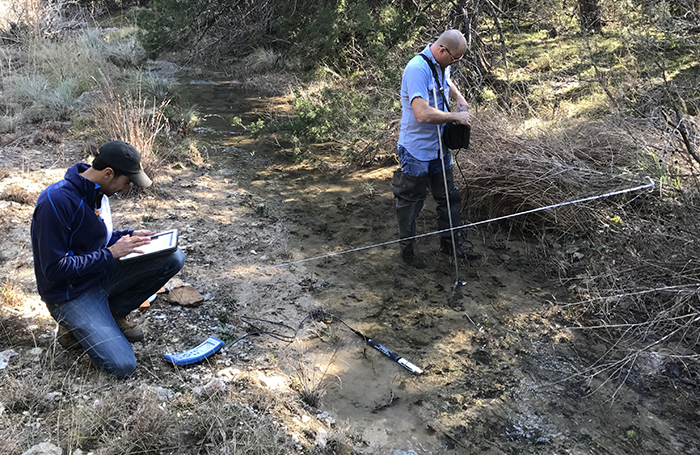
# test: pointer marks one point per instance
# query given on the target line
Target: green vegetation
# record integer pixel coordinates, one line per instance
(542, 61)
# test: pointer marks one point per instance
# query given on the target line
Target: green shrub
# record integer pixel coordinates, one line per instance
(40, 100)
(9, 123)
(207, 28)
(347, 33)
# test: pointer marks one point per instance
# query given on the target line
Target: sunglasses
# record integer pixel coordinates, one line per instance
(454, 60)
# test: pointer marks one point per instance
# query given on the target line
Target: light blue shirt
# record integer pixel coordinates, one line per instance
(421, 139)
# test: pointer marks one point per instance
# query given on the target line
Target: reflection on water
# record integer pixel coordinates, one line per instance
(218, 101)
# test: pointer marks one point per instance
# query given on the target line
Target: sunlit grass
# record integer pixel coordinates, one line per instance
(43, 77)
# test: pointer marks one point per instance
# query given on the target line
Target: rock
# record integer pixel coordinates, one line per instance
(5, 204)
(325, 417)
(321, 438)
(163, 394)
(174, 282)
(54, 396)
(45, 448)
(185, 296)
(36, 352)
(215, 386)
(87, 99)
(5, 357)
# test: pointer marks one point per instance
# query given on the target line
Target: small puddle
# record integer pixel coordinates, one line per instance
(363, 386)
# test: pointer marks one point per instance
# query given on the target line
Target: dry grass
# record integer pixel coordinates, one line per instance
(50, 64)
(504, 173)
(137, 121)
(309, 382)
(638, 286)
(262, 60)
(13, 329)
(18, 194)
(78, 407)
(20, 12)
(10, 294)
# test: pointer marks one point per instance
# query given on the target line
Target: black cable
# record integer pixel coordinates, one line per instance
(259, 331)
(318, 316)
(324, 316)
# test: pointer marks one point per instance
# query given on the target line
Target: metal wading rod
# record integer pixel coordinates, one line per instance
(476, 223)
(447, 197)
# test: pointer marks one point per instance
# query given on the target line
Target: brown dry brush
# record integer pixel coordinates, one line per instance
(504, 173)
(49, 19)
(90, 412)
(133, 119)
(641, 282)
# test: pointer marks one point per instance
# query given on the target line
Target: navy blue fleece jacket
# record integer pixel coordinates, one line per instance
(69, 239)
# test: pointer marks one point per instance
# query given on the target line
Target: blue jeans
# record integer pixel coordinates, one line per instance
(410, 186)
(125, 287)
(417, 168)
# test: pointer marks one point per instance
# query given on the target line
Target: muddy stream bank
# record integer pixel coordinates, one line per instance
(498, 356)
(506, 370)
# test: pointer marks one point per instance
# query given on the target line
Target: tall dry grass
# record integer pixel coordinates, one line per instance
(505, 172)
(20, 13)
(77, 407)
(47, 62)
(638, 279)
(133, 119)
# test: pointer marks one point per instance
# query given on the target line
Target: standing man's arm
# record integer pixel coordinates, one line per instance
(427, 114)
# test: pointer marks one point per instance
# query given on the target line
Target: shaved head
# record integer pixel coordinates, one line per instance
(453, 40)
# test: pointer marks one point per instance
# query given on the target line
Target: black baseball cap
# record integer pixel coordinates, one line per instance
(125, 159)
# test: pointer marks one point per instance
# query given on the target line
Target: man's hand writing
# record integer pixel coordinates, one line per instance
(129, 244)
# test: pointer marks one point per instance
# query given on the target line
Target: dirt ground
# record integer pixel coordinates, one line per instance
(505, 369)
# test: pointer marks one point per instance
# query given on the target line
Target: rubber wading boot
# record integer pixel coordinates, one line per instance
(461, 252)
(130, 331)
(410, 258)
(66, 338)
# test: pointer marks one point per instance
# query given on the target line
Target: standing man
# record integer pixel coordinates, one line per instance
(419, 146)
(87, 290)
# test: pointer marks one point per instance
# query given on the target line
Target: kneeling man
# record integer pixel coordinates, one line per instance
(87, 290)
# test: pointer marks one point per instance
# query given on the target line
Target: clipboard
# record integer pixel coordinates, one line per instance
(161, 243)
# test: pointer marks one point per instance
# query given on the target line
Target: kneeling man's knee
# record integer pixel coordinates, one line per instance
(178, 260)
(121, 368)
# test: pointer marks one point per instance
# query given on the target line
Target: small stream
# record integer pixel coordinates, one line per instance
(323, 210)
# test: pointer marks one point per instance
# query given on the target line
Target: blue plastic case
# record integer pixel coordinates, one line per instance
(194, 355)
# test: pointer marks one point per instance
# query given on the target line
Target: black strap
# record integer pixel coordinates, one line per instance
(437, 81)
